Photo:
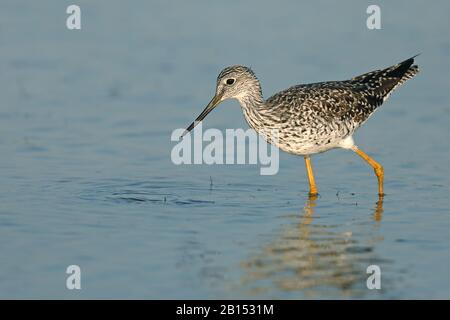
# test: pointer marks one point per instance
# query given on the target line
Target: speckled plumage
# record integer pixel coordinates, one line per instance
(313, 118)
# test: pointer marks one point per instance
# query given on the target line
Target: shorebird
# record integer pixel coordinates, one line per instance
(311, 118)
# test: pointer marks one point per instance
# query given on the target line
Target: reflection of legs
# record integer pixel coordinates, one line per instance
(379, 172)
(309, 171)
(308, 210)
(378, 213)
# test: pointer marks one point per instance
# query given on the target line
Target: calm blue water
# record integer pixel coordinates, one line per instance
(86, 176)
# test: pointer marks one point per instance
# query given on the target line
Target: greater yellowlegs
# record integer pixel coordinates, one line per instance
(311, 118)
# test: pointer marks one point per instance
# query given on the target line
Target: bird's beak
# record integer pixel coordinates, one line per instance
(211, 105)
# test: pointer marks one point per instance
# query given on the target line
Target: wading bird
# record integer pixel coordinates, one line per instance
(311, 118)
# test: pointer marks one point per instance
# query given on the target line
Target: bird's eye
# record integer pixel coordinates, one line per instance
(230, 81)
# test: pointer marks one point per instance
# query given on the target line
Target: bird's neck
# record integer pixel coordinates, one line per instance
(252, 104)
(252, 98)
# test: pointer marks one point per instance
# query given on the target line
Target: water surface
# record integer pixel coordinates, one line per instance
(86, 176)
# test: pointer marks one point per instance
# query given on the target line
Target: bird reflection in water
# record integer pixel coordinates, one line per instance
(313, 259)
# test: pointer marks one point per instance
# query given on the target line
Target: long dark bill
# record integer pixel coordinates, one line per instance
(211, 105)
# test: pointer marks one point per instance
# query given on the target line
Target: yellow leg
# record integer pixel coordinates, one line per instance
(379, 171)
(312, 182)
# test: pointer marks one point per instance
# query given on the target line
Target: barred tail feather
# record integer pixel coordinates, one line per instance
(381, 83)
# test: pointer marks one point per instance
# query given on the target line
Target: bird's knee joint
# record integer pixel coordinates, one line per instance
(379, 170)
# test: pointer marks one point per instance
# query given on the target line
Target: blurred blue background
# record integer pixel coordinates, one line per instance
(86, 176)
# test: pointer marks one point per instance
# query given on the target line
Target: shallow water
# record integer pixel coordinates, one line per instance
(85, 124)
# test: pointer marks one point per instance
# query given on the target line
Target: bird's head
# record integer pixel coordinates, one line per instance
(235, 82)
